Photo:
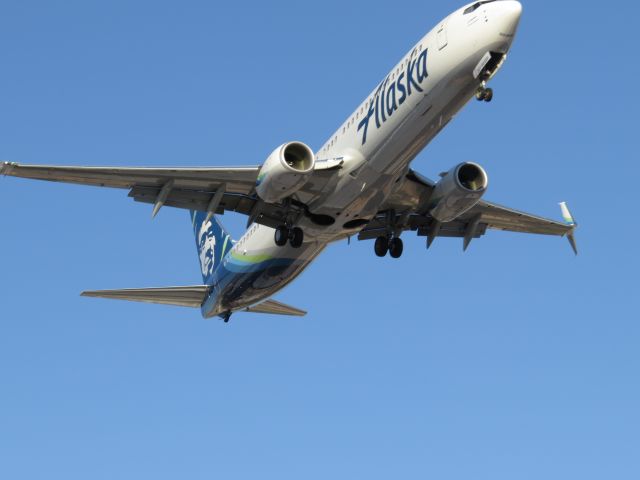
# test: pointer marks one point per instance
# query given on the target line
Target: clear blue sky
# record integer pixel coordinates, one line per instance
(514, 360)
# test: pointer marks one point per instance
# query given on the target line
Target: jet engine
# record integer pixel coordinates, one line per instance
(285, 171)
(458, 191)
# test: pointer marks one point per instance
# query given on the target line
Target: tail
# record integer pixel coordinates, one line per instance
(212, 242)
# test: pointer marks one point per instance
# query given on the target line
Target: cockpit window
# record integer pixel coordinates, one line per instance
(475, 6)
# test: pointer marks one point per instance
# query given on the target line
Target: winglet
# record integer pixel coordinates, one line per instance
(572, 241)
(566, 214)
(568, 219)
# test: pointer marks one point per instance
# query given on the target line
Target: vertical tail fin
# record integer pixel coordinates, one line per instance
(212, 242)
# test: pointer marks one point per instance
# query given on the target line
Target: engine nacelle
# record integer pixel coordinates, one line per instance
(285, 171)
(458, 190)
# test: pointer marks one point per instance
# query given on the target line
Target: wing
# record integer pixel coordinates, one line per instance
(213, 190)
(409, 204)
(237, 179)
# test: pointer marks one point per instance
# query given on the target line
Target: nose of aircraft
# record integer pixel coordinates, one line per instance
(509, 12)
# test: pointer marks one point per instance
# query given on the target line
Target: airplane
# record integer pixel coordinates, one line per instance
(358, 184)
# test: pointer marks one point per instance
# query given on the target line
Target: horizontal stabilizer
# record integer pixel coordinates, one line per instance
(276, 308)
(180, 296)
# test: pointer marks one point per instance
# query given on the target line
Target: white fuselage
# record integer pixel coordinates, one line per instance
(418, 97)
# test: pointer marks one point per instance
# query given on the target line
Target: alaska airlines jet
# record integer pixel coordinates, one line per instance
(358, 184)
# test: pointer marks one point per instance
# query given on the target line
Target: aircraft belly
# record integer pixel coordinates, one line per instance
(360, 195)
(243, 280)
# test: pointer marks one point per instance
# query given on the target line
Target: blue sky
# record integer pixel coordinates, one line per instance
(514, 360)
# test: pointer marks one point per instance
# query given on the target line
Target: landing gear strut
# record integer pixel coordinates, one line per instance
(483, 93)
(393, 246)
(294, 236)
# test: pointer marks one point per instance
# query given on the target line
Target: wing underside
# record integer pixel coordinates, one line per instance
(236, 179)
(213, 190)
(409, 211)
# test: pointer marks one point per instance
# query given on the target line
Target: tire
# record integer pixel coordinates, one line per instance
(396, 247)
(481, 95)
(488, 96)
(281, 236)
(381, 246)
(297, 236)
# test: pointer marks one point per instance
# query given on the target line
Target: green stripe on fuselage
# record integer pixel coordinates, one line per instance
(250, 258)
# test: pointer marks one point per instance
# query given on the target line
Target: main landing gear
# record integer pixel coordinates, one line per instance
(393, 245)
(284, 234)
(484, 94)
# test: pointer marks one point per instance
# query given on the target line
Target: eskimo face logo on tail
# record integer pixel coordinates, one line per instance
(390, 95)
(207, 245)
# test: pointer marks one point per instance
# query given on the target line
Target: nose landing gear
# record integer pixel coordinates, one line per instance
(484, 94)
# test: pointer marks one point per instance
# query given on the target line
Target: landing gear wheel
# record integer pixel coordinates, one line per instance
(281, 235)
(381, 246)
(296, 237)
(396, 247)
(484, 94)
